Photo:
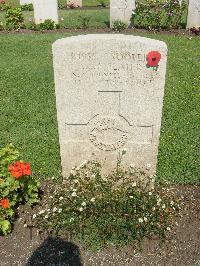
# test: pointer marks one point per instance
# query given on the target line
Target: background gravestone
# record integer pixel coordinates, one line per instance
(26, 2)
(193, 19)
(108, 100)
(77, 3)
(121, 10)
(45, 9)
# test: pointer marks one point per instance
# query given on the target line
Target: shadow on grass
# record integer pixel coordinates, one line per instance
(107, 23)
(55, 251)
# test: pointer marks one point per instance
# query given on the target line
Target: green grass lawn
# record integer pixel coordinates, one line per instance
(28, 111)
(71, 18)
(62, 2)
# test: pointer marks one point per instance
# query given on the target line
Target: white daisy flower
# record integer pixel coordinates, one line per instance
(140, 220)
(92, 199)
(83, 204)
(74, 194)
(55, 209)
(134, 184)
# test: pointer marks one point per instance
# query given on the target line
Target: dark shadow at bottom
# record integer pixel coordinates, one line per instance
(54, 251)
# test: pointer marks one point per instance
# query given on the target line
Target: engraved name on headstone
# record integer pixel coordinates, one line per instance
(108, 99)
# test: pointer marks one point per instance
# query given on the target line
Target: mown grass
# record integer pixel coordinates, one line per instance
(28, 111)
(63, 2)
(72, 18)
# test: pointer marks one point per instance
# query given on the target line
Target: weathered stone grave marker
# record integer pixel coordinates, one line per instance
(193, 19)
(108, 99)
(121, 10)
(77, 3)
(45, 9)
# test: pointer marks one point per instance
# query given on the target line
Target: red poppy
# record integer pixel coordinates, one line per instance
(5, 203)
(19, 169)
(153, 58)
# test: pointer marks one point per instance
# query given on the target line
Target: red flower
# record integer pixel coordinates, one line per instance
(153, 58)
(5, 203)
(19, 169)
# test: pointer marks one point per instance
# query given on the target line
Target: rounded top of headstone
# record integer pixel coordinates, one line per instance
(110, 37)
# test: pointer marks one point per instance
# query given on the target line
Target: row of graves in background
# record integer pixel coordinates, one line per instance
(120, 10)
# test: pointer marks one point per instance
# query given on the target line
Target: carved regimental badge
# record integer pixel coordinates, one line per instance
(108, 133)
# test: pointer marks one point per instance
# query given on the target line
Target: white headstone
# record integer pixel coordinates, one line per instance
(45, 9)
(26, 2)
(193, 19)
(121, 10)
(108, 99)
(77, 3)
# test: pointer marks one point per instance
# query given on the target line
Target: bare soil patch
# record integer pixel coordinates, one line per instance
(131, 31)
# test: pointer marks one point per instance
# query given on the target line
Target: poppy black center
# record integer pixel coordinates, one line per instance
(154, 59)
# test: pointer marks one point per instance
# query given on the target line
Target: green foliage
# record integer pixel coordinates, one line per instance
(157, 14)
(5, 227)
(119, 208)
(27, 7)
(14, 17)
(7, 155)
(1, 26)
(13, 189)
(4, 6)
(103, 3)
(84, 20)
(119, 26)
(48, 24)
